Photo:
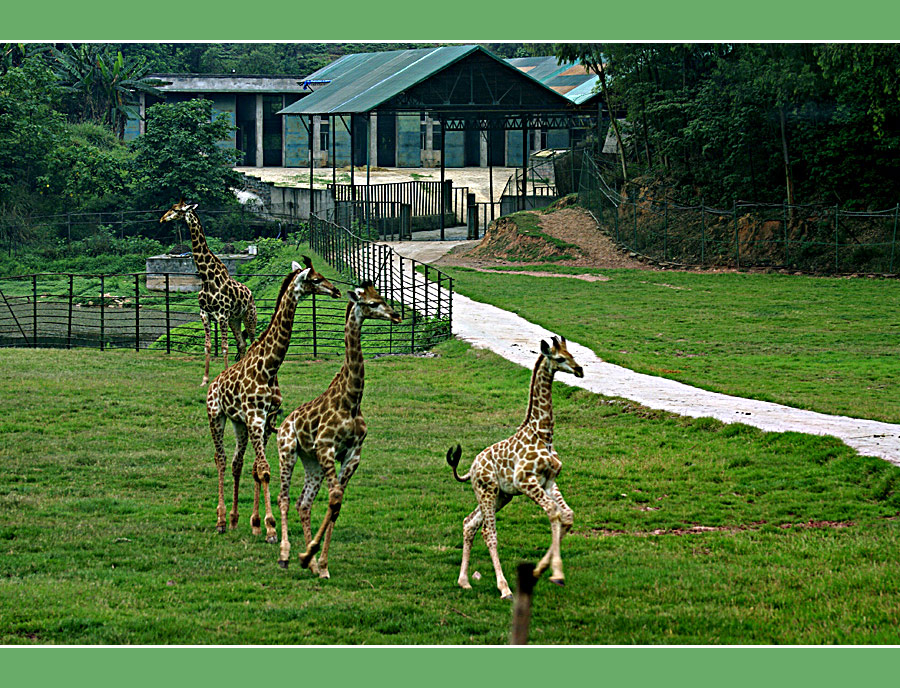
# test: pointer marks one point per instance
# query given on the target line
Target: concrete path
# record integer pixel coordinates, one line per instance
(518, 340)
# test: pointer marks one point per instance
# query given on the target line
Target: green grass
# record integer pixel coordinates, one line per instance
(107, 515)
(826, 344)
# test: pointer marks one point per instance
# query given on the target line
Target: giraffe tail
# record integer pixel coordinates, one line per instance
(453, 456)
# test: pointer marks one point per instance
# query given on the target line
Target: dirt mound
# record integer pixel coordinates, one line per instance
(564, 234)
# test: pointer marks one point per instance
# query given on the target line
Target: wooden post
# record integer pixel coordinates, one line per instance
(737, 245)
(836, 211)
(471, 217)
(894, 239)
(521, 613)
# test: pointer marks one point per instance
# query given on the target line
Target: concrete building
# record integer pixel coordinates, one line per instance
(251, 103)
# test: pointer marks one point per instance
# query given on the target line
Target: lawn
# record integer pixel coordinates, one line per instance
(825, 344)
(687, 531)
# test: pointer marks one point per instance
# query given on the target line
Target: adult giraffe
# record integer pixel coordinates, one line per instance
(326, 430)
(248, 395)
(221, 296)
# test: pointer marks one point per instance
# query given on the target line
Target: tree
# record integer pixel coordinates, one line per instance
(102, 87)
(179, 156)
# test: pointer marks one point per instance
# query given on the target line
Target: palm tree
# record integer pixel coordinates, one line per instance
(103, 88)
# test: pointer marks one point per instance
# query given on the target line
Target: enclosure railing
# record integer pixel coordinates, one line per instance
(427, 199)
(421, 293)
(809, 238)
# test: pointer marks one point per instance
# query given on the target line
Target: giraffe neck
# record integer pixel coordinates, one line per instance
(208, 265)
(351, 378)
(273, 343)
(540, 401)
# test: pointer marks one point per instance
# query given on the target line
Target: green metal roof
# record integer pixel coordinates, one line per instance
(361, 82)
(568, 78)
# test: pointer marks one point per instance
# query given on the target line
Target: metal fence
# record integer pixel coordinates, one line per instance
(425, 199)
(421, 293)
(809, 238)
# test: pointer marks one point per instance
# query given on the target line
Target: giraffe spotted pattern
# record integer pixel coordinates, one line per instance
(326, 431)
(221, 297)
(524, 463)
(248, 395)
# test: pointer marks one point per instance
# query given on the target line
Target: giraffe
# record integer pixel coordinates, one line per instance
(221, 296)
(247, 393)
(327, 429)
(523, 463)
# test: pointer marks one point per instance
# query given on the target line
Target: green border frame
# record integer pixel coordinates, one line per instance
(466, 20)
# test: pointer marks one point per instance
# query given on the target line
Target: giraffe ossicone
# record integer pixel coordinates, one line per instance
(525, 463)
(327, 430)
(248, 395)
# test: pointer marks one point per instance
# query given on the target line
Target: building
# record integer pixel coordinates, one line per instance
(460, 105)
(252, 104)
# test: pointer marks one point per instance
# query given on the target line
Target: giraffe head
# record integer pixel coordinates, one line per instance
(559, 358)
(369, 304)
(306, 280)
(178, 211)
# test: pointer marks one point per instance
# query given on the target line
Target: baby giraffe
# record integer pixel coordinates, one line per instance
(327, 430)
(248, 395)
(524, 463)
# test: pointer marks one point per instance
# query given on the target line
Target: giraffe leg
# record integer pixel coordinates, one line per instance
(488, 495)
(223, 332)
(287, 458)
(250, 322)
(347, 470)
(553, 558)
(471, 524)
(237, 465)
(256, 426)
(235, 326)
(325, 457)
(311, 484)
(207, 345)
(217, 429)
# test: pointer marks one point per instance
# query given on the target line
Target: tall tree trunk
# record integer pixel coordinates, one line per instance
(600, 72)
(788, 177)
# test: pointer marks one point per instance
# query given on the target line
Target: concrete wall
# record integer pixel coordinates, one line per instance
(341, 142)
(454, 149)
(514, 148)
(558, 138)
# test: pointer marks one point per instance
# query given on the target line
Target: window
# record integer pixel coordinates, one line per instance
(324, 134)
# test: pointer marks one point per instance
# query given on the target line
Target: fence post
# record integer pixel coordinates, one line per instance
(315, 328)
(836, 211)
(34, 310)
(137, 314)
(702, 233)
(102, 314)
(787, 253)
(405, 221)
(471, 217)
(69, 329)
(737, 244)
(412, 328)
(894, 239)
(634, 214)
(666, 228)
(69, 226)
(521, 613)
(168, 320)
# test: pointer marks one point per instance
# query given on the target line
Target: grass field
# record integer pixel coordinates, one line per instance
(825, 344)
(687, 531)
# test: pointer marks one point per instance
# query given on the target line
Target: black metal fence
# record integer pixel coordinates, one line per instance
(809, 238)
(421, 293)
(426, 200)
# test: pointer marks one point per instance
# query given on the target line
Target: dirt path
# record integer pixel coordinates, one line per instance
(517, 340)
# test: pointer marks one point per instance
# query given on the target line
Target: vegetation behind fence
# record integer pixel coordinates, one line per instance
(811, 238)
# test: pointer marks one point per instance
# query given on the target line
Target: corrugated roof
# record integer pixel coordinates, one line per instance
(571, 79)
(361, 82)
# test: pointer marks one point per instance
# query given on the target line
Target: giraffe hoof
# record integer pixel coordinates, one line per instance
(283, 563)
(324, 574)
(271, 539)
(256, 531)
(561, 582)
(220, 529)
(507, 597)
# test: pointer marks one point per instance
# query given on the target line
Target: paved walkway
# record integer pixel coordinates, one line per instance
(518, 340)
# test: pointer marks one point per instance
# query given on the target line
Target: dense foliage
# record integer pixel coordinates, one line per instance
(763, 122)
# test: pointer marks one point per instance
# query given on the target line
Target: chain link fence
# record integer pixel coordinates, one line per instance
(808, 238)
